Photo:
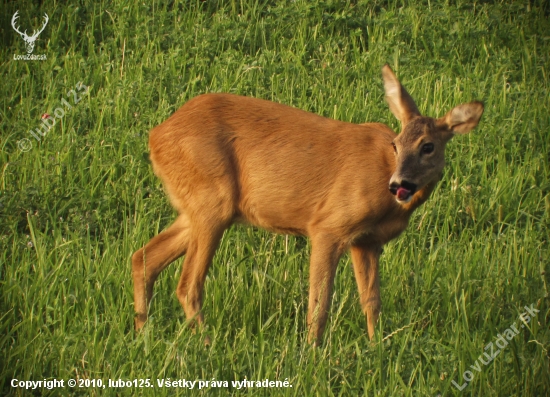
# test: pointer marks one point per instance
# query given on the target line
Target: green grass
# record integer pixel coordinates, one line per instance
(80, 202)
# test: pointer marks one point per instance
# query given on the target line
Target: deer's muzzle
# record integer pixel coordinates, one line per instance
(403, 191)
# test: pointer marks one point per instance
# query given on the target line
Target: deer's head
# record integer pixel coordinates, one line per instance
(29, 40)
(420, 147)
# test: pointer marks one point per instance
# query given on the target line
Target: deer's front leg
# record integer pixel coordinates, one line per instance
(325, 253)
(365, 258)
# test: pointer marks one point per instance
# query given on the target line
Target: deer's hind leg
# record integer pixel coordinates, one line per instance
(203, 242)
(153, 258)
(200, 178)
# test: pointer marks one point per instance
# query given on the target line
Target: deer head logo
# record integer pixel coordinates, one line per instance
(29, 40)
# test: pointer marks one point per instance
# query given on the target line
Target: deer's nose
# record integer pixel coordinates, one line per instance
(409, 186)
(404, 184)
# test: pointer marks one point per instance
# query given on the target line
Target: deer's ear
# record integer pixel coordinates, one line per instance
(401, 104)
(463, 118)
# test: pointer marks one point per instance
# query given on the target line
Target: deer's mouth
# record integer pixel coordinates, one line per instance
(403, 192)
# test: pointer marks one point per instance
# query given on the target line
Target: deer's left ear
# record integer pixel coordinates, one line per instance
(401, 103)
(463, 118)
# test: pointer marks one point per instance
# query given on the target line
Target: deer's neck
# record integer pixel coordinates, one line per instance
(420, 197)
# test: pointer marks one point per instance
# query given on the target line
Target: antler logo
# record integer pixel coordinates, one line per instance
(29, 40)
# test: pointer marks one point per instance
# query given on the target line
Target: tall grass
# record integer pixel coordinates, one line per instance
(83, 199)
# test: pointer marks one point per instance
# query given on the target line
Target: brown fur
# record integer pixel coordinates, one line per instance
(225, 158)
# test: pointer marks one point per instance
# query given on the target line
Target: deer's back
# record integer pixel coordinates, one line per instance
(281, 168)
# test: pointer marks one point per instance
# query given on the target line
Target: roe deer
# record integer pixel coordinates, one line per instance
(225, 158)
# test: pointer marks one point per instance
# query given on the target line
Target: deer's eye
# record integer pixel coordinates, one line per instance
(394, 147)
(427, 148)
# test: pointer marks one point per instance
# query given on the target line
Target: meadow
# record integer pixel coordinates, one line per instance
(75, 205)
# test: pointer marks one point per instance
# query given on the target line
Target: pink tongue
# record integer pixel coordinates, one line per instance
(403, 194)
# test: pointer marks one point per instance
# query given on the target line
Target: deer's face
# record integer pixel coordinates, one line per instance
(420, 148)
(420, 157)
(29, 46)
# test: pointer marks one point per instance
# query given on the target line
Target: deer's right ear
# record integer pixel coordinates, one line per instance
(401, 103)
(463, 118)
